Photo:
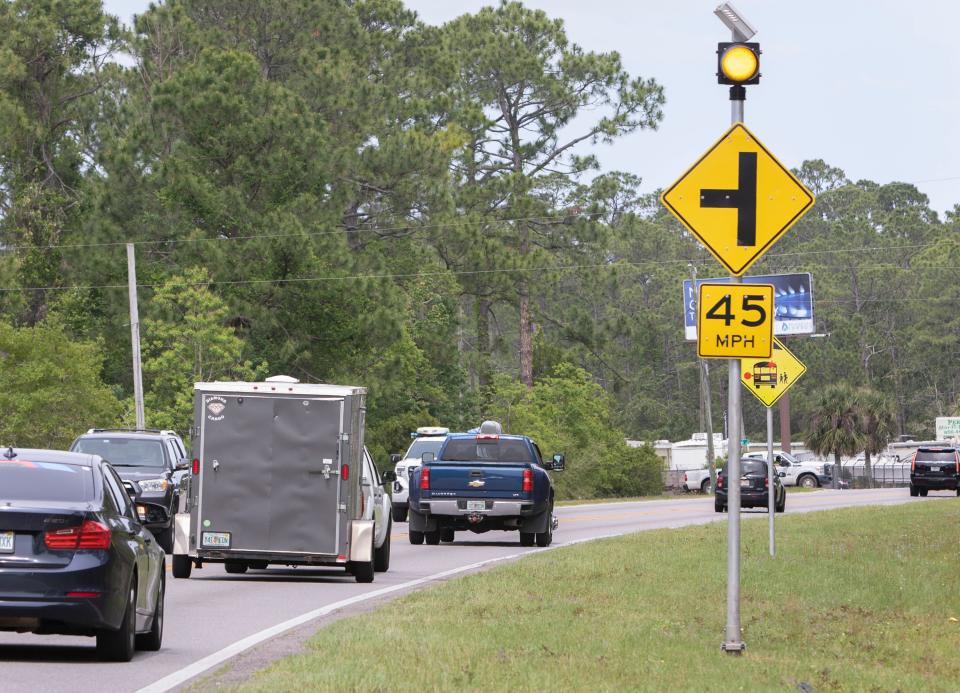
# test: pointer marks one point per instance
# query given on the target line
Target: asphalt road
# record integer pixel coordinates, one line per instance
(212, 611)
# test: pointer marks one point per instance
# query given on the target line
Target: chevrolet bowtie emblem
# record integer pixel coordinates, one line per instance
(477, 483)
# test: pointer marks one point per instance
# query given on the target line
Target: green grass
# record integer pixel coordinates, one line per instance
(856, 600)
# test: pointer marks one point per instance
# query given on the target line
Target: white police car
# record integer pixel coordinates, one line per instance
(425, 439)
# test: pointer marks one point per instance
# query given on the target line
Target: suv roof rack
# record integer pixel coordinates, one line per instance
(129, 430)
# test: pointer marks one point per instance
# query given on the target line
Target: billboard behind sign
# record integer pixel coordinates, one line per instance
(792, 303)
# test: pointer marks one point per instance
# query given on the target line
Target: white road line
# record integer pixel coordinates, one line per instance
(201, 665)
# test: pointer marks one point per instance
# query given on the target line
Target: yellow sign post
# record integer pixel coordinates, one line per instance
(735, 321)
(768, 378)
(737, 199)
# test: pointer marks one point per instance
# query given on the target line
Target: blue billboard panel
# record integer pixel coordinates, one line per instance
(792, 303)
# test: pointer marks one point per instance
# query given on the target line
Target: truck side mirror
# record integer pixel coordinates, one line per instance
(389, 475)
(394, 458)
(559, 463)
(783, 474)
(428, 457)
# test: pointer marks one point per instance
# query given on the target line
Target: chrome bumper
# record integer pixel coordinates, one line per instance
(497, 508)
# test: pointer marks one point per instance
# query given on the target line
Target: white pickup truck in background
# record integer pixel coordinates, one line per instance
(794, 472)
(697, 480)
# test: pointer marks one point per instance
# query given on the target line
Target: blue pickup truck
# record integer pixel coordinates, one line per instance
(483, 481)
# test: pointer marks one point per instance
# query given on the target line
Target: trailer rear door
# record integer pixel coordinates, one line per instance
(270, 474)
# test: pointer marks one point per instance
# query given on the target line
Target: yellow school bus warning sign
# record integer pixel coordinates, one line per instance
(737, 199)
(735, 321)
(769, 378)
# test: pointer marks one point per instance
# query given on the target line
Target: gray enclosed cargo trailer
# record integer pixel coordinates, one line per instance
(277, 473)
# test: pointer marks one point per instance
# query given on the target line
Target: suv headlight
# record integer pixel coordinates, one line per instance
(154, 485)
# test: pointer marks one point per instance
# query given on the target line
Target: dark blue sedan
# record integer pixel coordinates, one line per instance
(74, 558)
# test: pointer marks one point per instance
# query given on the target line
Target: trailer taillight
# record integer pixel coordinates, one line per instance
(345, 472)
(424, 478)
(196, 466)
(527, 480)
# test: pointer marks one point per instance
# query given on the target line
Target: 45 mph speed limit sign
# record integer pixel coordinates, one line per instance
(735, 321)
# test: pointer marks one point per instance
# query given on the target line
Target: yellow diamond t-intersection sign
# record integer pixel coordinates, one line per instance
(769, 378)
(738, 199)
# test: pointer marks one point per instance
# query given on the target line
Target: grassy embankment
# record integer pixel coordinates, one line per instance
(856, 600)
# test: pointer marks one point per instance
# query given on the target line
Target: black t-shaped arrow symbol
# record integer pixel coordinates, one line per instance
(743, 199)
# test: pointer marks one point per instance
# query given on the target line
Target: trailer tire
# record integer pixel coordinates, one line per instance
(432, 538)
(381, 556)
(235, 567)
(182, 566)
(416, 538)
(363, 570)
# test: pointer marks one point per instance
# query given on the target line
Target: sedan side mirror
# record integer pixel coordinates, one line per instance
(395, 458)
(559, 463)
(389, 475)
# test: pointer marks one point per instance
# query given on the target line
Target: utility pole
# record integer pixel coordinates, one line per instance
(135, 335)
(706, 406)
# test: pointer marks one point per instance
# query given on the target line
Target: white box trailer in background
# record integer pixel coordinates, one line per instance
(276, 479)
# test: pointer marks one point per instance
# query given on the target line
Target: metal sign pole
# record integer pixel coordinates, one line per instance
(771, 489)
(733, 636)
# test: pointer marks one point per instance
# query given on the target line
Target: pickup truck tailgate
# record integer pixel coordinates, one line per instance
(476, 480)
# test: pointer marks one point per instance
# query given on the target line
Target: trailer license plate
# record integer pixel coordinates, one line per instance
(6, 542)
(476, 505)
(218, 539)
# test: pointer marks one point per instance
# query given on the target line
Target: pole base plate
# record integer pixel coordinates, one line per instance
(734, 648)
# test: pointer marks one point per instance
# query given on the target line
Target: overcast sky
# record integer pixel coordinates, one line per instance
(870, 86)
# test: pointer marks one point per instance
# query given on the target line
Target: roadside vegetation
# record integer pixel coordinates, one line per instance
(856, 600)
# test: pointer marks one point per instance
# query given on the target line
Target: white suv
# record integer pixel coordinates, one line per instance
(794, 472)
(425, 439)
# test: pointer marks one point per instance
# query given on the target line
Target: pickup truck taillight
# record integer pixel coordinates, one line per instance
(424, 478)
(527, 480)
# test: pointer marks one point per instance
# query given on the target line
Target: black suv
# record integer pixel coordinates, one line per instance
(934, 469)
(753, 487)
(151, 464)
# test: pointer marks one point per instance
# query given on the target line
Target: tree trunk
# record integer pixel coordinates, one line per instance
(866, 469)
(483, 341)
(526, 337)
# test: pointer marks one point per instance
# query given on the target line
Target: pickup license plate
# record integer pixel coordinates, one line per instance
(476, 505)
(745, 483)
(934, 469)
(221, 540)
(6, 542)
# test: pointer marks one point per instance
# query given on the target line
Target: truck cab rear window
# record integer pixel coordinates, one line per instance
(473, 450)
(23, 480)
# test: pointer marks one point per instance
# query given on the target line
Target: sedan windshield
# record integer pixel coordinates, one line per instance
(124, 452)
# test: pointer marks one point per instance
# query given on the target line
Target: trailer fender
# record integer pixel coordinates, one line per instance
(361, 541)
(181, 533)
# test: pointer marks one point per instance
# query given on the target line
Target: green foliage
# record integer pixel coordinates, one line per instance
(50, 387)
(186, 341)
(567, 412)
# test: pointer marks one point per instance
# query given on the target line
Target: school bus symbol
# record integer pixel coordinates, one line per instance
(765, 373)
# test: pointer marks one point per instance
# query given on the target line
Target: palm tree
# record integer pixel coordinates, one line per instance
(876, 424)
(833, 426)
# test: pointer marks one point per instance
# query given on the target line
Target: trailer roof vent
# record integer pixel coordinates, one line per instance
(281, 379)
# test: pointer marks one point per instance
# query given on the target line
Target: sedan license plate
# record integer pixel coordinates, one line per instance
(217, 539)
(6, 542)
(934, 469)
(476, 505)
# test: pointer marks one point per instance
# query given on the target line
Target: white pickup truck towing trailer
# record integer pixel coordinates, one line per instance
(277, 474)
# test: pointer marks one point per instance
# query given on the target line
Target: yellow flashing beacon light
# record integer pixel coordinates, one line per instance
(738, 63)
